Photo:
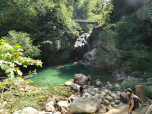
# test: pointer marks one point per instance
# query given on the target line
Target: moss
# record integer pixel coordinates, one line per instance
(36, 99)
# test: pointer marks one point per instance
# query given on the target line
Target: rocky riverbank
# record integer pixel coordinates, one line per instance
(92, 101)
(98, 102)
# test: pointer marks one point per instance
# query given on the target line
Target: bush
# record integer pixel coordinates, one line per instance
(147, 89)
(136, 73)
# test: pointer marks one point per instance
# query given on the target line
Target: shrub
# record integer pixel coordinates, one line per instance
(136, 73)
(147, 89)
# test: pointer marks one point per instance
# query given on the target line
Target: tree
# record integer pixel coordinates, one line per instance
(11, 57)
(24, 41)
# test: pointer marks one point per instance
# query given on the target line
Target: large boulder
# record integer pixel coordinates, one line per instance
(80, 79)
(49, 107)
(63, 104)
(27, 110)
(86, 104)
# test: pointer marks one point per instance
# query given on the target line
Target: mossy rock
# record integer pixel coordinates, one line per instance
(71, 80)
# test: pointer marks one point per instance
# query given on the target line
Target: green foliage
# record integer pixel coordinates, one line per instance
(147, 89)
(48, 24)
(11, 57)
(136, 74)
(145, 76)
(24, 41)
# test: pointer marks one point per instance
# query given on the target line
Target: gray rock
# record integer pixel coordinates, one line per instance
(92, 93)
(149, 111)
(87, 104)
(117, 101)
(80, 79)
(149, 83)
(106, 102)
(109, 98)
(149, 80)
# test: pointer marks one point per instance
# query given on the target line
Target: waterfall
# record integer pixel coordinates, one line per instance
(87, 41)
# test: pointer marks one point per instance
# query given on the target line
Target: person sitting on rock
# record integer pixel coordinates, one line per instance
(75, 88)
(108, 86)
(72, 106)
(55, 101)
(81, 90)
(131, 98)
(89, 79)
(98, 83)
(124, 95)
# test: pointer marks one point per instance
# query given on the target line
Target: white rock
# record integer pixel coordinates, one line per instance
(49, 107)
(27, 110)
(68, 83)
(58, 112)
(63, 104)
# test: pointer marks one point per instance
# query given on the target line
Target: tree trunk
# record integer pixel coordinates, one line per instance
(141, 94)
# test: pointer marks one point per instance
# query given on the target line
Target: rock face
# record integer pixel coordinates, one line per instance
(102, 52)
(92, 58)
(86, 104)
(27, 110)
(80, 79)
(81, 46)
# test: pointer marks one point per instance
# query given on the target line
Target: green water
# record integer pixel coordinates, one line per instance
(59, 74)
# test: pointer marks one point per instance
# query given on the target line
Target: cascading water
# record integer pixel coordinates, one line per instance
(87, 41)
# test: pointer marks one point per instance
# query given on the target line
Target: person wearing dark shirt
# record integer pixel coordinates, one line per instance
(81, 90)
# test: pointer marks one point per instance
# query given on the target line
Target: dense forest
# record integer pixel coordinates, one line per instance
(46, 30)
